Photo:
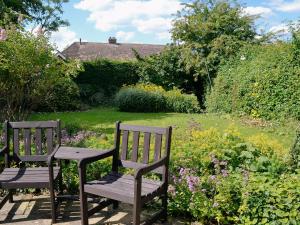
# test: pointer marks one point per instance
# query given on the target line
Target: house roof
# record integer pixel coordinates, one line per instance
(60, 55)
(86, 51)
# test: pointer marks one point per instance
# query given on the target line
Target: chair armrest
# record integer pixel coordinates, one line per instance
(102, 155)
(3, 150)
(51, 156)
(148, 168)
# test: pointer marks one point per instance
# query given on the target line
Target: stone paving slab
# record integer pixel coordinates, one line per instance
(31, 210)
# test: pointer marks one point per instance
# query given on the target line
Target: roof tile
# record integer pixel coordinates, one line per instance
(86, 51)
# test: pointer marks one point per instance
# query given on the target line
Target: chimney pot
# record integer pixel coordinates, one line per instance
(112, 40)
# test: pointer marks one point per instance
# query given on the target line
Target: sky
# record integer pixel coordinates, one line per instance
(149, 21)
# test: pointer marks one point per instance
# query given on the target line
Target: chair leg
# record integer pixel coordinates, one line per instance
(10, 196)
(137, 213)
(164, 200)
(115, 205)
(53, 206)
(52, 195)
(60, 183)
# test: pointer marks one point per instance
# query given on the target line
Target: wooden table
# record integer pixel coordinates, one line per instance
(77, 154)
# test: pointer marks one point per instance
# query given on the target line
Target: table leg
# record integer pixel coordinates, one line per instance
(83, 197)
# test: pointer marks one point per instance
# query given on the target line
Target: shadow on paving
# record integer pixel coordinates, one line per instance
(28, 211)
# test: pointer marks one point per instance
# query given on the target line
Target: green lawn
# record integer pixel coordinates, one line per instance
(103, 119)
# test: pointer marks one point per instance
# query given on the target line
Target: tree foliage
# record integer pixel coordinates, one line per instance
(45, 14)
(209, 32)
(165, 69)
(28, 71)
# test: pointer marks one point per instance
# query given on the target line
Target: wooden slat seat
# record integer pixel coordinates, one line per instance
(121, 187)
(37, 177)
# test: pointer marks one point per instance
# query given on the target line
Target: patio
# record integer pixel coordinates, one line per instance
(29, 210)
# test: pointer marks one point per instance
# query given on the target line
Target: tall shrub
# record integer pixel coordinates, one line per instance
(28, 71)
(263, 81)
(166, 69)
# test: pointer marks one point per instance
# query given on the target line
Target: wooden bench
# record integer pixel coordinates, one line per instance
(133, 189)
(28, 167)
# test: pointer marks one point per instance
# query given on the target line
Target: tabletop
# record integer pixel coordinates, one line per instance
(74, 153)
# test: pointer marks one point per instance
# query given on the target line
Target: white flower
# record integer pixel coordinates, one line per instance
(243, 58)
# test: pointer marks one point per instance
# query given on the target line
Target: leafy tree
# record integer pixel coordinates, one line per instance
(28, 72)
(45, 14)
(165, 69)
(209, 32)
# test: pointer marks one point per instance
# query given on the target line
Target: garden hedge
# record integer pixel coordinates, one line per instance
(263, 81)
(153, 98)
(102, 78)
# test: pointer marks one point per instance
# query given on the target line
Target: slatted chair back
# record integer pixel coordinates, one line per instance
(133, 154)
(33, 141)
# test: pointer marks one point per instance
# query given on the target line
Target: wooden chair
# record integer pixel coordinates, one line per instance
(136, 190)
(18, 172)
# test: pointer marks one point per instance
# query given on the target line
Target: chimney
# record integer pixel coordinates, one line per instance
(80, 41)
(112, 40)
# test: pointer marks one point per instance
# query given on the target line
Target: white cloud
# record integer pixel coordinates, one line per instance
(124, 36)
(286, 6)
(147, 16)
(280, 28)
(163, 35)
(63, 37)
(93, 5)
(259, 10)
(152, 25)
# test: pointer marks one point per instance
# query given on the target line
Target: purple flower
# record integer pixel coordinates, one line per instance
(224, 173)
(213, 177)
(192, 182)
(214, 159)
(182, 171)
(77, 138)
